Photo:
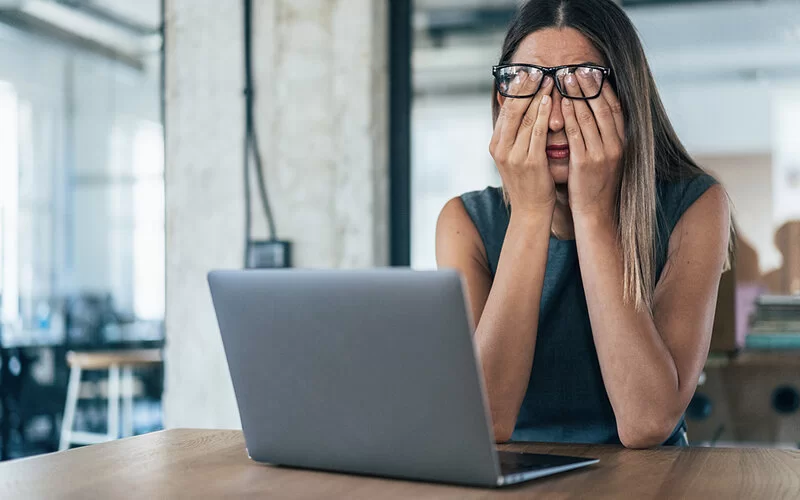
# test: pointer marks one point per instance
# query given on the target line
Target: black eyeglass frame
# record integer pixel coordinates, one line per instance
(551, 72)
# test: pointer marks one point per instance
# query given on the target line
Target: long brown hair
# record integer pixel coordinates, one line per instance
(651, 150)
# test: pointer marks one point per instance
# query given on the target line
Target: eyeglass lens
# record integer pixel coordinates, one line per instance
(522, 81)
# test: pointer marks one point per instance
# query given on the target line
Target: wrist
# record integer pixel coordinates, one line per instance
(593, 222)
(532, 220)
(533, 210)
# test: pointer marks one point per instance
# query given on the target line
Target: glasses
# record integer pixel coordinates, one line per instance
(524, 80)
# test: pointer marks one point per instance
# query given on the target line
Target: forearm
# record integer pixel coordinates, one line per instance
(506, 334)
(638, 369)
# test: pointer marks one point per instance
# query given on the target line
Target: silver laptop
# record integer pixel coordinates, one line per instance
(368, 372)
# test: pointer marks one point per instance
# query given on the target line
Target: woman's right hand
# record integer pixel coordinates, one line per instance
(518, 147)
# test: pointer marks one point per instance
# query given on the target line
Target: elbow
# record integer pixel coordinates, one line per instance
(502, 433)
(645, 433)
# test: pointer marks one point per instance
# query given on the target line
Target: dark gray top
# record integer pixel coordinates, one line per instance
(566, 400)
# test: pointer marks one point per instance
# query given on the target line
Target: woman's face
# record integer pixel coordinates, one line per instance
(556, 47)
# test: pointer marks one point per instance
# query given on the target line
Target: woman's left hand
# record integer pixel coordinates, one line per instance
(595, 132)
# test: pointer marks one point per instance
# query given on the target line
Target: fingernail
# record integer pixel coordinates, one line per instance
(570, 79)
(598, 77)
(547, 82)
(584, 72)
(545, 99)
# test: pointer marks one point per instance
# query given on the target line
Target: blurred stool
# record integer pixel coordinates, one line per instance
(114, 362)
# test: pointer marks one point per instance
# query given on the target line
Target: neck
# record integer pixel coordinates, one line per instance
(562, 226)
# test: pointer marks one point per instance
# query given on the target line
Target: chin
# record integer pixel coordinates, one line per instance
(559, 171)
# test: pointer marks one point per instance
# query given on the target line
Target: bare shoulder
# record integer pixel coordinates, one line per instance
(456, 235)
(459, 246)
(699, 243)
(709, 214)
(716, 199)
(454, 217)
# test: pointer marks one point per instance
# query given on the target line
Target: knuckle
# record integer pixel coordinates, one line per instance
(539, 131)
(517, 158)
(616, 108)
(585, 116)
(505, 111)
(603, 112)
(528, 121)
(573, 131)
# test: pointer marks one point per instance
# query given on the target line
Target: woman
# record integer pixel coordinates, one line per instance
(592, 274)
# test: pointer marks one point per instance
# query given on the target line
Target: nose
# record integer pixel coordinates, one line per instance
(556, 122)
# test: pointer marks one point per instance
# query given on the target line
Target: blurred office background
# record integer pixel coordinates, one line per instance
(81, 209)
(371, 115)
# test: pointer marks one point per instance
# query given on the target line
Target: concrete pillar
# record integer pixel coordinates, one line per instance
(322, 100)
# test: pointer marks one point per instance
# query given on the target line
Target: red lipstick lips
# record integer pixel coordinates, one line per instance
(557, 151)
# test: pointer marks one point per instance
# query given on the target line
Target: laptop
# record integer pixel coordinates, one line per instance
(369, 372)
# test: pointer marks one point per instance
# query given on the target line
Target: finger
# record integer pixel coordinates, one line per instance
(615, 106)
(513, 110)
(526, 128)
(508, 107)
(577, 147)
(538, 140)
(602, 111)
(584, 116)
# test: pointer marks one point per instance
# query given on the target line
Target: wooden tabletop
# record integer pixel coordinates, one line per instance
(185, 463)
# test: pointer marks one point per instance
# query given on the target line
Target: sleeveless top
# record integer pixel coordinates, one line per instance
(566, 400)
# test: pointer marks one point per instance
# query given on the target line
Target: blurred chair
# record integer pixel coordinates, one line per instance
(785, 280)
(114, 362)
(749, 285)
(723, 334)
(739, 287)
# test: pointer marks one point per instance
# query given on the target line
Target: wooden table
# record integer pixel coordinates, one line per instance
(186, 463)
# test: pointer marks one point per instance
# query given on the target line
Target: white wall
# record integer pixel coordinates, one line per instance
(713, 118)
(321, 110)
(748, 180)
(450, 156)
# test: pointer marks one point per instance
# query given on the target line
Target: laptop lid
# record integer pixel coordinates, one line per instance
(371, 372)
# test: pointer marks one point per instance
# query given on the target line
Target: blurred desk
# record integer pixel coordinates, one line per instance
(186, 463)
(751, 397)
(13, 366)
